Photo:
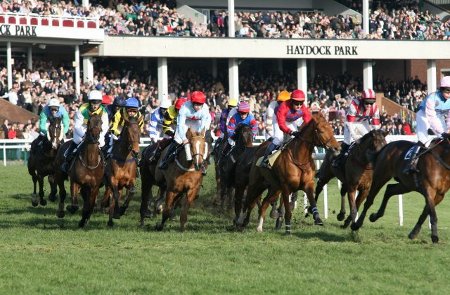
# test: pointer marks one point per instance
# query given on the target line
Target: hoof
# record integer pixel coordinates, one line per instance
(340, 216)
(318, 221)
(81, 223)
(60, 214)
(146, 214)
(373, 217)
(287, 233)
(52, 197)
(259, 229)
(34, 203)
(412, 236)
(355, 226)
(122, 210)
(72, 208)
(278, 223)
(159, 227)
(43, 202)
(435, 239)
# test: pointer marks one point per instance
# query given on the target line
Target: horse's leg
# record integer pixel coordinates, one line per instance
(391, 190)
(342, 212)
(309, 190)
(190, 197)
(53, 188)
(353, 212)
(146, 189)
(114, 205)
(42, 201)
(131, 190)
(253, 193)
(416, 230)
(73, 207)
(430, 196)
(170, 198)
(62, 196)
(271, 197)
(288, 213)
(238, 196)
(34, 201)
(105, 202)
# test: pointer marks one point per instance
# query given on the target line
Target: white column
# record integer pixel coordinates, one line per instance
(163, 84)
(365, 16)
(280, 66)
(231, 28)
(302, 79)
(76, 65)
(233, 77)
(368, 75)
(9, 64)
(214, 68)
(431, 75)
(30, 57)
(343, 66)
(88, 69)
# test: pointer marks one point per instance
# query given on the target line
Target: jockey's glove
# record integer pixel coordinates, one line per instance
(445, 135)
(295, 133)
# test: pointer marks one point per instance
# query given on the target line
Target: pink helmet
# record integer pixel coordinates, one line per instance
(368, 95)
(244, 107)
(445, 82)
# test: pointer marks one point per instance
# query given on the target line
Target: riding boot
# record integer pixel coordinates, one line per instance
(270, 148)
(68, 156)
(170, 155)
(411, 167)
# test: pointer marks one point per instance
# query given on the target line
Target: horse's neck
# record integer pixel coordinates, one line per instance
(358, 153)
(121, 149)
(301, 149)
(91, 153)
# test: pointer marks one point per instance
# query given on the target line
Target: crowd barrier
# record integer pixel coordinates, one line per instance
(17, 149)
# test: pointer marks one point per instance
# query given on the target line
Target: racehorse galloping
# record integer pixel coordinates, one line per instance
(228, 165)
(121, 168)
(183, 176)
(432, 180)
(293, 170)
(85, 172)
(40, 162)
(217, 154)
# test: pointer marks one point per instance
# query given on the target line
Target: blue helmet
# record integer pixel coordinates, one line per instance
(132, 102)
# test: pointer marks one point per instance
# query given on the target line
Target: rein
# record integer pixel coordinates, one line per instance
(437, 156)
(86, 165)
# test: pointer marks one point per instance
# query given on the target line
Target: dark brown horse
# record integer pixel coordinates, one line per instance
(40, 163)
(120, 170)
(357, 173)
(432, 180)
(217, 154)
(183, 177)
(228, 165)
(85, 172)
(293, 170)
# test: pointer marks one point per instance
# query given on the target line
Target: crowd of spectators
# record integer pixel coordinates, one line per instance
(32, 89)
(399, 20)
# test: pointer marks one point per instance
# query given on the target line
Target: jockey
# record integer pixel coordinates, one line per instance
(49, 113)
(130, 110)
(362, 116)
(225, 118)
(155, 126)
(282, 96)
(433, 116)
(286, 121)
(94, 106)
(193, 114)
(242, 117)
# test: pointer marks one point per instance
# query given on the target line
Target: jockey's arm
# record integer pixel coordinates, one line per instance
(206, 118)
(43, 122)
(65, 121)
(281, 118)
(105, 127)
(78, 125)
(115, 124)
(169, 122)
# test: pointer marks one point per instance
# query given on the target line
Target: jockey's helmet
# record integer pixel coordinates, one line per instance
(244, 107)
(132, 103)
(198, 97)
(54, 102)
(95, 95)
(232, 102)
(179, 103)
(298, 95)
(445, 82)
(283, 96)
(368, 96)
(165, 103)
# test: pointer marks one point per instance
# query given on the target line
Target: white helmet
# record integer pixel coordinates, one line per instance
(95, 95)
(54, 102)
(165, 103)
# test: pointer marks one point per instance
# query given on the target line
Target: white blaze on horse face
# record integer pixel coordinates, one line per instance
(197, 152)
(205, 154)
(61, 133)
(187, 149)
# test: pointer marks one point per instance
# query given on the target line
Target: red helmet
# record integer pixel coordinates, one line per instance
(244, 107)
(198, 97)
(298, 95)
(368, 95)
(179, 102)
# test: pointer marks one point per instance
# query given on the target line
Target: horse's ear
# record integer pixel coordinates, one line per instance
(385, 133)
(189, 133)
(203, 132)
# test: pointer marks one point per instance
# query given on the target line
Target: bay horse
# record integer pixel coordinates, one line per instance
(121, 167)
(228, 165)
(357, 172)
(40, 163)
(293, 170)
(85, 172)
(183, 177)
(217, 154)
(432, 181)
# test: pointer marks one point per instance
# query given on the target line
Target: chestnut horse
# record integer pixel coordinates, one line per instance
(183, 176)
(120, 170)
(228, 165)
(85, 172)
(294, 169)
(357, 173)
(433, 180)
(40, 163)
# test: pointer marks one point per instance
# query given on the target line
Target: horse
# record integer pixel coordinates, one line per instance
(357, 172)
(294, 169)
(85, 172)
(40, 163)
(183, 176)
(432, 181)
(217, 152)
(228, 166)
(121, 167)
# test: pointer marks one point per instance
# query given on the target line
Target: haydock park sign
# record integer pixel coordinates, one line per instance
(322, 50)
(16, 30)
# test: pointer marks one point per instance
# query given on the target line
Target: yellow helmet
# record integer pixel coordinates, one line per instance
(232, 102)
(283, 96)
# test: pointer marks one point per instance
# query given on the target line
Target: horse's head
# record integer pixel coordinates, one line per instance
(372, 142)
(244, 136)
(130, 134)
(55, 133)
(94, 128)
(199, 147)
(323, 134)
